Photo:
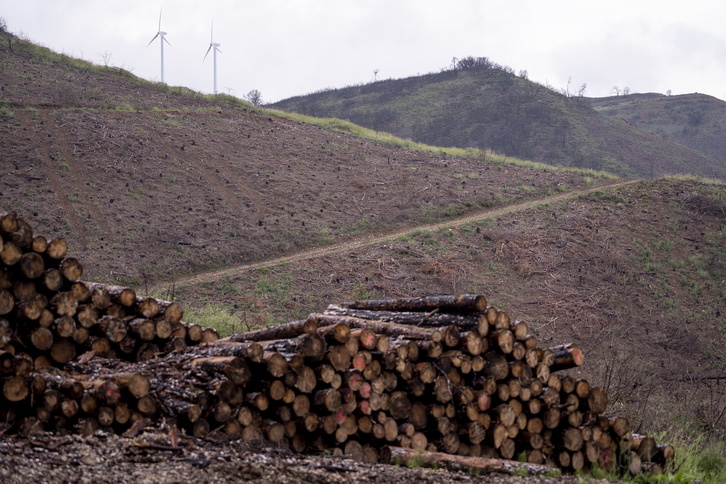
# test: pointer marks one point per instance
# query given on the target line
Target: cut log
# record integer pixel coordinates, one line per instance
(114, 329)
(23, 236)
(311, 346)
(71, 269)
(148, 307)
(39, 244)
(15, 389)
(53, 279)
(566, 357)
(379, 327)
(8, 222)
(432, 319)
(124, 296)
(10, 254)
(597, 400)
(7, 303)
(402, 456)
(31, 265)
(282, 331)
(456, 304)
(57, 248)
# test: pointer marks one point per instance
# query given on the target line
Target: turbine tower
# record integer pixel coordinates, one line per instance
(214, 46)
(162, 39)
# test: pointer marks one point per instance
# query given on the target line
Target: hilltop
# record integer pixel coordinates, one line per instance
(153, 184)
(482, 105)
(694, 120)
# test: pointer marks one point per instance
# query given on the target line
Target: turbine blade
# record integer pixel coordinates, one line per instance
(164, 40)
(212, 36)
(205, 55)
(160, 11)
(152, 40)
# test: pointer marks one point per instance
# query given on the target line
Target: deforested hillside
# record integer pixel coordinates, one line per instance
(482, 105)
(150, 181)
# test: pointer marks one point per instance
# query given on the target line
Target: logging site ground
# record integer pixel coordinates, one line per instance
(253, 217)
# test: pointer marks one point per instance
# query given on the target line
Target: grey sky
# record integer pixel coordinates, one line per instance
(285, 48)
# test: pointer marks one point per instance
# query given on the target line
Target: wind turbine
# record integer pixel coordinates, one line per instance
(214, 46)
(162, 39)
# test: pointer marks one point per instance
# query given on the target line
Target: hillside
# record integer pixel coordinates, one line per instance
(486, 106)
(153, 181)
(153, 185)
(694, 120)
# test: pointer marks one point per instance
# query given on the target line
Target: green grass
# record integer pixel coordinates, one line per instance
(216, 316)
(6, 114)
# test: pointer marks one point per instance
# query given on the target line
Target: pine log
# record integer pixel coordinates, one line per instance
(57, 248)
(312, 346)
(71, 269)
(566, 357)
(597, 400)
(8, 222)
(432, 319)
(148, 307)
(402, 456)
(64, 304)
(39, 244)
(23, 236)
(172, 311)
(379, 327)
(496, 366)
(15, 389)
(7, 303)
(282, 331)
(449, 303)
(124, 296)
(10, 254)
(114, 329)
(31, 265)
(144, 328)
(52, 279)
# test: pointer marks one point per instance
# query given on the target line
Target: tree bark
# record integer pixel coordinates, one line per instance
(399, 455)
(456, 304)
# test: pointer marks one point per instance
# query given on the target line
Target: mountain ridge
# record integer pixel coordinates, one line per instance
(488, 107)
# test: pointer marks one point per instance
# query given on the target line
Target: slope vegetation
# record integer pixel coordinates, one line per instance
(486, 106)
(694, 120)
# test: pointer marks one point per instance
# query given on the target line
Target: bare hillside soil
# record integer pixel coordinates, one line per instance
(145, 196)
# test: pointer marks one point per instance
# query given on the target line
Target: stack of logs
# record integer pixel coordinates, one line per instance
(50, 318)
(445, 379)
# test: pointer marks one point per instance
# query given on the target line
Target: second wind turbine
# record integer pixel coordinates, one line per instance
(214, 46)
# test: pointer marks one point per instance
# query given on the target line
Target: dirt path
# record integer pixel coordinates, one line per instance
(212, 276)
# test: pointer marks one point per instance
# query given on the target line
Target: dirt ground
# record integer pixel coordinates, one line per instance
(149, 458)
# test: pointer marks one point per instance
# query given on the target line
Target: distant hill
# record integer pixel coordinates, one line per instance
(694, 120)
(482, 105)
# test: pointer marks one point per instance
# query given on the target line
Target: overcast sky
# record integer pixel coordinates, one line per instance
(285, 48)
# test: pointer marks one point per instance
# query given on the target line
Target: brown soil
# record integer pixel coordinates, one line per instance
(149, 458)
